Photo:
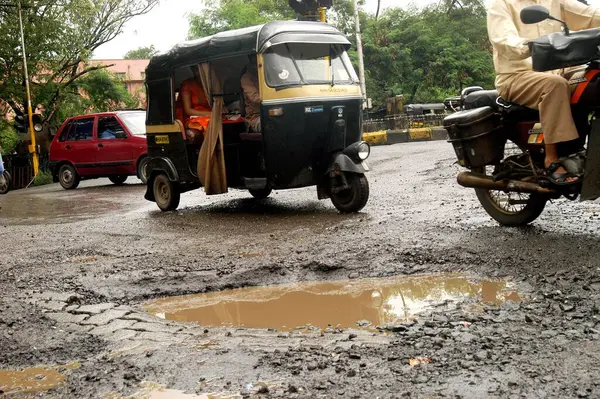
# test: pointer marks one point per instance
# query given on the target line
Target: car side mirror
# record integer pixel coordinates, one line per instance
(121, 135)
(534, 14)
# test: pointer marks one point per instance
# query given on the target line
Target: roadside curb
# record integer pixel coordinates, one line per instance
(385, 137)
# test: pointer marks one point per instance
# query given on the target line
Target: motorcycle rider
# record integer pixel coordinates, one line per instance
(547, 91)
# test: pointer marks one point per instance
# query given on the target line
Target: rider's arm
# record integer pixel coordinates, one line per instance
(580, 16)
(504, 34)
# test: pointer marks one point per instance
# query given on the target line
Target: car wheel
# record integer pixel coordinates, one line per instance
(166, 193)
(118, 180)
(68, 177)
(142, 169)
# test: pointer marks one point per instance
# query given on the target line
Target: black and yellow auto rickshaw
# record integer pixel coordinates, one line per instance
(310, 117)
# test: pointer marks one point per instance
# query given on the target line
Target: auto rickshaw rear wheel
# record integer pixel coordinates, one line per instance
(166, 193)
(355, 197)
(261, 193)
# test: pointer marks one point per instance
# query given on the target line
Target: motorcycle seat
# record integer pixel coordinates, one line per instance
(490, 98)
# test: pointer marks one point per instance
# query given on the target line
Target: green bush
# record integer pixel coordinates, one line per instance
(42, 178)
(8, 137)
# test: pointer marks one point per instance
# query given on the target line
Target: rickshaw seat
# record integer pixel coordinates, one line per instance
(251, 136)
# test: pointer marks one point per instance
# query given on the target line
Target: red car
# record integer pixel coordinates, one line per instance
(111, 144)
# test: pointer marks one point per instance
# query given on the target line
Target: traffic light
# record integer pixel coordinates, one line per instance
(21, 124)
(304, 7)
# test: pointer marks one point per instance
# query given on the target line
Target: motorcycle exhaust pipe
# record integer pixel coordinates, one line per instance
(475, 180)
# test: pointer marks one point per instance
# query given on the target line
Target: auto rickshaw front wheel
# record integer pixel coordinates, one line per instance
(354, 197)
(166, 193)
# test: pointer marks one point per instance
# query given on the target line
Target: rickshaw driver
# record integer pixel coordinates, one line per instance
(252, 100)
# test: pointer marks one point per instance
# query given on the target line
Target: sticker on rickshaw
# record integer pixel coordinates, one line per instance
(161, 139)
(313, 110)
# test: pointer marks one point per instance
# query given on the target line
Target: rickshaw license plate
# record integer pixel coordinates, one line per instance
(161, 139)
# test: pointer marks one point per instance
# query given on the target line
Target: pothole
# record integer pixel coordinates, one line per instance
(321, 304)
(31, 380)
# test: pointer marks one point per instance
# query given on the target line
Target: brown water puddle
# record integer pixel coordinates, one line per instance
(30, 380)
(341, 303)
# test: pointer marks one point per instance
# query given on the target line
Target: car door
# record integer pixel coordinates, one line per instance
(80, 146)
(115, 153)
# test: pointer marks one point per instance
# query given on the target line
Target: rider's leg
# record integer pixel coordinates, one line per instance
(550, 94)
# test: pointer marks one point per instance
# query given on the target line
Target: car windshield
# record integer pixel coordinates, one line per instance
(135, 122)
(297, 64)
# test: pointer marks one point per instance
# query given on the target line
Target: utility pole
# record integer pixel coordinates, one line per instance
(33, 146)
(361, 61)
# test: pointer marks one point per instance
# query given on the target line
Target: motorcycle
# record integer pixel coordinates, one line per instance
(503, 144)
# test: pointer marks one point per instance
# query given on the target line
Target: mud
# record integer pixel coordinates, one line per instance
(111, 249)
(342, 304)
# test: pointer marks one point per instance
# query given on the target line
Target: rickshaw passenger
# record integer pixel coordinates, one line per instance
(192, 102)
(249, 85)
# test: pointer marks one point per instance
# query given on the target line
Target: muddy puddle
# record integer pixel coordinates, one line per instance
(29, 381)
(338, 304)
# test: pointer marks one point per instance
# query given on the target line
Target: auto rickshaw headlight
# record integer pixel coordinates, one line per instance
(364, 150)
(358, 151)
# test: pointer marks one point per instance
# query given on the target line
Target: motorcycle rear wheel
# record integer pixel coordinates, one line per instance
(510, 209)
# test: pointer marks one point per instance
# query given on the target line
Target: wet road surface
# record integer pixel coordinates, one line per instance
(79, 269)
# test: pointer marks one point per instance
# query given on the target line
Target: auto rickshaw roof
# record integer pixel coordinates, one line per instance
(241, 42)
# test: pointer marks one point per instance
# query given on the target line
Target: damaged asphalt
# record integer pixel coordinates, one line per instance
(78, 268)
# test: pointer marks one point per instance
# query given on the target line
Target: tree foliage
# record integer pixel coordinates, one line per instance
(60, 37)
(141, 53)
(236, 14)
(427, 54)
(8, 137)
(97, 91)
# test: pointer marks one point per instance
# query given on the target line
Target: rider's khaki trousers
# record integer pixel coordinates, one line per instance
(547, 92)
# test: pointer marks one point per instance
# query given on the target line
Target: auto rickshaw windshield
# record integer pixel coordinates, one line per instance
(298, 64)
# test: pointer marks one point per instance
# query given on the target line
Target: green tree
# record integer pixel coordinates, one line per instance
(8, 137)
(427, 54)
(97, 91)
(236, 14)
(60, 39)
(141, 53)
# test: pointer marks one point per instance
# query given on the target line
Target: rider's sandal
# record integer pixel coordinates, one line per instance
(560, 179)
